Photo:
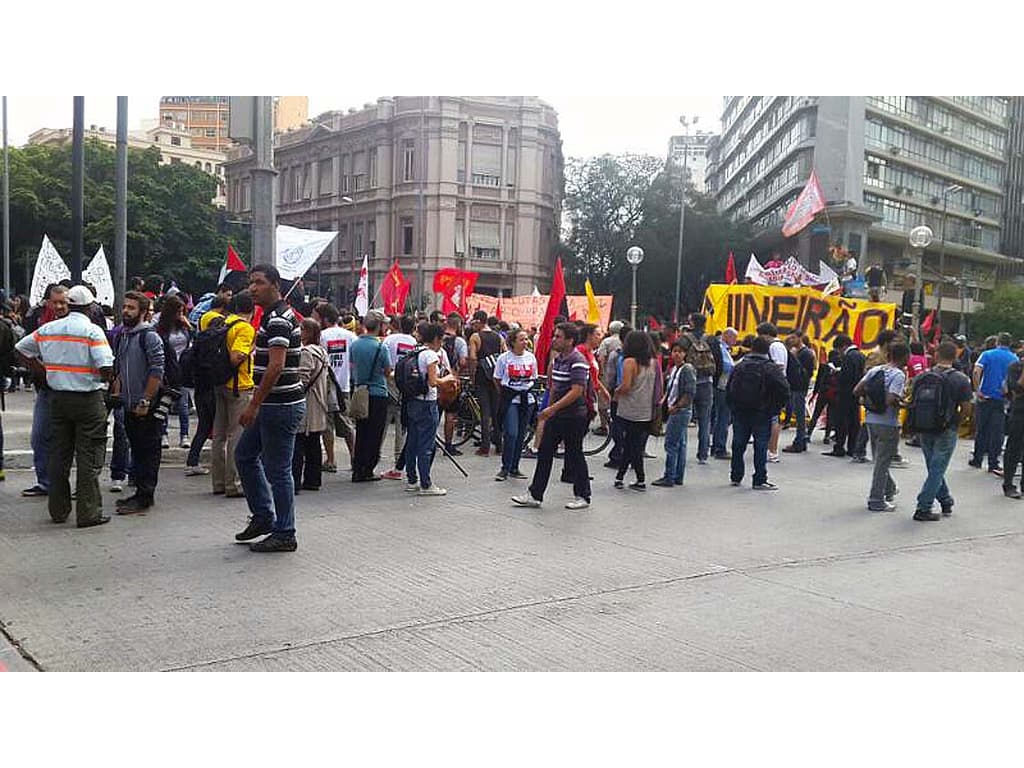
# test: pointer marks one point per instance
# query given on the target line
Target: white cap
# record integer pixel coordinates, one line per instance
(80, 296)
(614, 326)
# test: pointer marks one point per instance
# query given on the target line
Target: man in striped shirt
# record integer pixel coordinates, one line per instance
(264, 451)
(78, 364)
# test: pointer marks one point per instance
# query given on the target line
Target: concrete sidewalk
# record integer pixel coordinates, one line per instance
(704, 577)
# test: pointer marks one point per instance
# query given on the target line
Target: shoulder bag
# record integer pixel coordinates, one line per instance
(359, 403)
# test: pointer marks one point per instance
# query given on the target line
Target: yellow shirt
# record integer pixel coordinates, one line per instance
(241, 338)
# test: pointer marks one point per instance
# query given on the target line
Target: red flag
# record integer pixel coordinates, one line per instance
(394, 290)
(234, 263)
(926, 326)
(652, 323)
(542, 345)
(497, 310)
(805, 207)
(730, 270)
(454, 285)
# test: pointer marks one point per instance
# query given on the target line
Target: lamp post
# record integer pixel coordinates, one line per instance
(920, 238)
(634, 256)
(685, 122)
(952, 189)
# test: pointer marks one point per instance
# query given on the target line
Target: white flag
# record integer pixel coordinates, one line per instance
(298, 249)
(50, 268)
(363, 291)
(98, 273)
(754, 270)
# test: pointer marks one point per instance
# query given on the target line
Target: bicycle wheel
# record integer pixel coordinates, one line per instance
(467, 426)
(592, 443)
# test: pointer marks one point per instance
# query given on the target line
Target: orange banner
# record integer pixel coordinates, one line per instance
(528, 311)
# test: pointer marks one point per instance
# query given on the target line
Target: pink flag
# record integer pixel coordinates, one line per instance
(804, 208)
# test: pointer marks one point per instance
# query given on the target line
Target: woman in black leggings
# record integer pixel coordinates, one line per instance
(636, 396)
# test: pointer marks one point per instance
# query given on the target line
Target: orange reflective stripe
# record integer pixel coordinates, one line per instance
(71, 368)
(75, 339)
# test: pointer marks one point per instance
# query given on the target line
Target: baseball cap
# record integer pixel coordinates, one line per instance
(960, 338)
(80, 296)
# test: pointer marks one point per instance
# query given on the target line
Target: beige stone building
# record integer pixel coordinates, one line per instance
(174, 143)
(432, 182)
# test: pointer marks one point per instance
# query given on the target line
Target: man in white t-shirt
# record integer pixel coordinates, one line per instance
(336, 341)
(779, 355)
(422, 416)
(397, 344)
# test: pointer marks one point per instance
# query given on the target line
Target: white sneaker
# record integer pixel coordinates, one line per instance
(193, 471)
(184, 443)
(116, 486)
(433, 491)
(412, 487)
(773, 458)
(525, 500)
(577, 503)
(164, 442)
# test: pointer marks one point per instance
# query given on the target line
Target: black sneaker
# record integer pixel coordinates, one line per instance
(638, 486)
(618, 485)
(134, 506)
(611, 465)
(1011, 492)
(518, 475)
(502, 476)
(926, 515)
(663, 482)
(766, 486)
(975, 464)
(101, 520)
(253, 531)
(275, 544)
(947, 511)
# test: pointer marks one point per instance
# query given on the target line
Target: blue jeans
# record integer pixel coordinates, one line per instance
(991, 423)
(517, 416)
(747, 424)
(798, 409)
(675, 445)
(181, 408)
(720, 427)
(264, 460)
(41, 438)
(702, 405)
(938, 450)
(422, 420)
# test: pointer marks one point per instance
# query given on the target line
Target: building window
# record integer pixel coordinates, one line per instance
(408, 160)
(209, 168)
(357, 240)
(460, 238)
(373, 168)
(342, 243)
(461, 173)
(307, 181)
(487, 164)
(246, 203)
(484, 239)
(371, 238)
(510, 164)
(359, 171)
(345, 170)
(407, 237)
(509, 235)
(325, 182)
(175, 141)
(199, 164)
(211, 133)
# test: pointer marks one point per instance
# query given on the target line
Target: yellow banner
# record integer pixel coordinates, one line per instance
(802, 310)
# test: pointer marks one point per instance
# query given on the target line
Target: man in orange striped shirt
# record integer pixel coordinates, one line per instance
(78, 363)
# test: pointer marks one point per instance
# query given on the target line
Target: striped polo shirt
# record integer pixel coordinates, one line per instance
(279, 328)
(567, 371)
(73, 350)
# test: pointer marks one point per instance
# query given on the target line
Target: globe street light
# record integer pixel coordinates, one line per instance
(920, 237)
(634, 256)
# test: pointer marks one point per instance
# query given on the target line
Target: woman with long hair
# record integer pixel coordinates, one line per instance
(635, 397)
(176, 329)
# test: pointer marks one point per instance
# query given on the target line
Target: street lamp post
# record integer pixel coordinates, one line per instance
(920, 238)
(634, 256)
(685, 122)
(952, 189)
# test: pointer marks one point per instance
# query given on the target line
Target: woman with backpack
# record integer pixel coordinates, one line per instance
(175, 328)
(636, 396)
(307, 459)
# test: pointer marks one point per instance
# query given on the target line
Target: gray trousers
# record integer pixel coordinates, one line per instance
(885, 442)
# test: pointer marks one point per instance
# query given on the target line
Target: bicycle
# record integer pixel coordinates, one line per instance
(594, 441)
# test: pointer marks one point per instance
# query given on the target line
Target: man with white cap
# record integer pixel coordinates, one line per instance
(78, 364)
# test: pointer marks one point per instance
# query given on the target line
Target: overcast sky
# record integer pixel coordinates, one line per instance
(590, 124)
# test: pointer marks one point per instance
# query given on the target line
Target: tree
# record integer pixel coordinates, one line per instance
(614, 202)
(1003, 312)
(172, 225)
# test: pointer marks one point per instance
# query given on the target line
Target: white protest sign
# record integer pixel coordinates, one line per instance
(298, 249)
(98, 273)
(50, 268)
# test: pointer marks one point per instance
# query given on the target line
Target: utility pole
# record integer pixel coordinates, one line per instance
(682, 220)
(7, 211)
(420, 205)
(121, 205)
(264, 214)
(77, 187)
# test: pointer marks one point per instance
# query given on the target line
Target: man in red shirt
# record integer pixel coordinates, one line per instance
(592, 336)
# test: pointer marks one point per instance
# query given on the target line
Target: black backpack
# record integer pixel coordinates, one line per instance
(875, 392)
(210, 361)
(931, 407)
(172, 371)
(748, 385)
(408, 377)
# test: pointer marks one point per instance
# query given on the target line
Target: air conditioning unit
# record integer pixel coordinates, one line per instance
(898, 190)
(935, 201)
(894, 150)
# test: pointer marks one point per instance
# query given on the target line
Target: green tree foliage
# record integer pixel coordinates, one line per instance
(613, 202)
(1004, 311)
(172, 225)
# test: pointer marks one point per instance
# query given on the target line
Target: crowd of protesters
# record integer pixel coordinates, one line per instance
(274, 377)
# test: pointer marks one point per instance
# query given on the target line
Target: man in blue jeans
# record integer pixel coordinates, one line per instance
(700, 354)
(721, 416)
(938, 447)
(990, 412)
(264, 451)
(757, 390)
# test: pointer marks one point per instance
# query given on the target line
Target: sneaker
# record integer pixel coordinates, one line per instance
(975, 464)
(525, 500)
(253, 531)
(331, 468)
(517, 475)
(793, 449)
(393, 474)
(926, 515)
(115, 486)
(997, 471)
(133, 506)
(766, 486)
(859, 459)
(663, 482)
(947, 510)
(35, 490)
(164, 442)
(885, 506)
(899, 462)
(618, 485)
(702, 461)
(735, 483)
(196, 471)
(275, 544)
(413, 487)
(611, 465)
(722, 456)
(1011, 492)
(184, 443)
(578, 503)
(834, 454)
(638, 486)
(433, 491)
(501, 477)
(773, 458)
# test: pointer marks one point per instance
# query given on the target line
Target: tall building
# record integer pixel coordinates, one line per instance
(205, 118)
(695, 149)
(886, 164)
(290, 112)
(175, 146)
(1013, 210)
(432, 182)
